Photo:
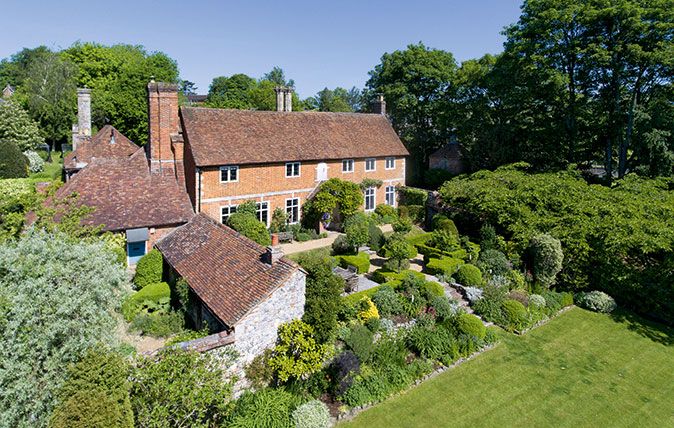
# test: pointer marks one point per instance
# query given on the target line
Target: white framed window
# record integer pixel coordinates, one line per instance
(370, 198)
(229, 174)
(263, 212)
(293, 210)
(347, 165)
(292, 169)
(370, 164)
(225, 212)
(390, 163)
(391, 196)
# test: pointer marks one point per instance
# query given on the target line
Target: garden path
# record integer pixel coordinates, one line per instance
(298, 247)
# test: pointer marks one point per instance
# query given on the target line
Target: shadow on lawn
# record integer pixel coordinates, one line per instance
(656, 332)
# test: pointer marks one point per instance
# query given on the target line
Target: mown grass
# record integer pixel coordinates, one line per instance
(580, 369)
(52, 170)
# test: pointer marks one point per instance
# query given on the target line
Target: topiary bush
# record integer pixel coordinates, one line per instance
(13, 164)
(357, 230)
(402, 225)
(445, 265)
(313, 414)
(152, 296)
(341, 246)
(432, 288)
(547, 257)
(468, 276)
(514, 315)
(597, 301)
(149, 269)
(441, 222)
(376, 237)
(471, 325)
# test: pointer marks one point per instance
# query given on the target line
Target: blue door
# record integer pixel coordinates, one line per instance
(135, 250)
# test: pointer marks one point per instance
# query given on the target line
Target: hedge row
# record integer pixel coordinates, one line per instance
(360, 261)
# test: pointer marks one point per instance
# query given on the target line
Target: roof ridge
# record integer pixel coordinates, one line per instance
(327, 113)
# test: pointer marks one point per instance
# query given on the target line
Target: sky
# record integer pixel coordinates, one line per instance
(317, 43)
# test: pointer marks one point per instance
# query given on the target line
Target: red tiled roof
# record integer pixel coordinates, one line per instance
(224, 268)
(101, 146)
(125, 195)
(219, 137)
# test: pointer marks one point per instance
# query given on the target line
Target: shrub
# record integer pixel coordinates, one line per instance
(356, 228)
(447, 266)
(445, 240)
(17, 128)
(419, 239)
(489, 240)
(342, 370)
(13, 164)
(441, 222)
(279, 220)
(597, 301)
(354, 299)
(341, 246)
(432, 288)
(402, 225)
(435, 177)
(158, 324)
(367, 310)
(35, 162)
(493, 263)
(297, 354)
(386, 210)
(435, 343)
(387, 302)
(153, 297)
(444, 309)
(360, 261)
(249, 226)
(516, 280)
(473, 294)
(149, 269)
(547, 256)
(95, 393)
(489, 306)
(313, 414)
(469, 276)
(376, 237)
(536, 301)
(187, 336)
(519, 295)
(302, 237)
(471, 325)
(180, 387)
(265, 409)
(259, 372)
(360, 342)
(383, 275)
(514, 315)
(412, 196)
(322, 295)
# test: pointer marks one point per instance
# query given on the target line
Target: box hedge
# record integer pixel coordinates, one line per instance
(471, 325)
(445, 265)
(149, 269)
(353, 299)
(383, 275)
(157, 293)
(469, 276)
(360, 261)
(434, 288)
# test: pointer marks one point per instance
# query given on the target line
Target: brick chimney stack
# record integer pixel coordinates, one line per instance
(284, 98)
(82, 130)
(163, 121)
(379, 106)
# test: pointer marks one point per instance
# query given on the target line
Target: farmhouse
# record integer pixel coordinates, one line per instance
(277, 159)
(239, 289)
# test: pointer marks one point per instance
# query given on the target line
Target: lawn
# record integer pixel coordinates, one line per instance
(52, 170)
(581, 369)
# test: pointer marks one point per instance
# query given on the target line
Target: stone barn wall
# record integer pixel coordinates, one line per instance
(257, 331)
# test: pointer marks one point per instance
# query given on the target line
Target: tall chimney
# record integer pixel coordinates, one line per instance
(162, 104)
(288, 97)
(280, 97)
(82, 131)
(379, 106)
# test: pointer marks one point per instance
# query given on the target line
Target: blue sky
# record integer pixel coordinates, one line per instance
(317, 43)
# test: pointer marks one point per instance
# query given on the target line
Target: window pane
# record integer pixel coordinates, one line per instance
(289, 169)
(233, 172)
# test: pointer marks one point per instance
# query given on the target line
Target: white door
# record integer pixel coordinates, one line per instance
(322, 171)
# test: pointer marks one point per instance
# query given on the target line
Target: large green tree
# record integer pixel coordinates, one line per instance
(414, 83)
(336, 100)
(58, 300)
(17, 127)
(118, 77)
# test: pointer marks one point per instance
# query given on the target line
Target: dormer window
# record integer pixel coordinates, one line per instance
(229, 174)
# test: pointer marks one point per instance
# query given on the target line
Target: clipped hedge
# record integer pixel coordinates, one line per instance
(157, 293)
(434, 288)
(446, 266)
(355, 298)
(419, 239)
(412, 196)
(416, 213)
(360, 261)
(149, 269)
(382, 275)
(468, 275)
